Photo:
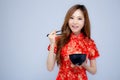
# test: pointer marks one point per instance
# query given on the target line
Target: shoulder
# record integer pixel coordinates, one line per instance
(90, 41)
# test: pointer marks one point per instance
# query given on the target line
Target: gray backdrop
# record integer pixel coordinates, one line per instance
(23, 42)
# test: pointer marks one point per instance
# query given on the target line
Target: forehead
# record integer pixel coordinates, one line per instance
(78, 12)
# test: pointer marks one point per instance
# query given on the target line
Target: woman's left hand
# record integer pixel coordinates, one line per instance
(84, 64)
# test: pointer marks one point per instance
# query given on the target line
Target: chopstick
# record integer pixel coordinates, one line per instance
(56, 32)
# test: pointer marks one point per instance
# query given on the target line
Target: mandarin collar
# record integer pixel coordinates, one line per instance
(79, 36)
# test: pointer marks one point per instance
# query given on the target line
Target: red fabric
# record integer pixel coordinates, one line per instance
(55, 49)
(77, 44)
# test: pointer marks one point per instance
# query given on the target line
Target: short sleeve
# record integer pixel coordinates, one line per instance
(55, 49)
(92, 49)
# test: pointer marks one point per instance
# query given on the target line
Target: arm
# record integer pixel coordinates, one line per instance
(51, 56)
(93, 54)
(90, 68)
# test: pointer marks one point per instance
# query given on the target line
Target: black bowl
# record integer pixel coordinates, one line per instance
(77, 59)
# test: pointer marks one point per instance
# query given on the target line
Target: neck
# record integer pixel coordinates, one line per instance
(76, 34)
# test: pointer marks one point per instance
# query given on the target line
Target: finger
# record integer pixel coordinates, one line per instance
(53, 33)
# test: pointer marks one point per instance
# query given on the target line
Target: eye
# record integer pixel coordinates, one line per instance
(79, 18)
(71, 17)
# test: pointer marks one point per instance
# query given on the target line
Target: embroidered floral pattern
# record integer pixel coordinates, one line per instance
(77, 45)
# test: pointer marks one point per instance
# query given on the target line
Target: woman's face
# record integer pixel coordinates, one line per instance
(76, 21)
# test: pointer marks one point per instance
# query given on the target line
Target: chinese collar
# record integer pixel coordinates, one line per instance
(79, 36)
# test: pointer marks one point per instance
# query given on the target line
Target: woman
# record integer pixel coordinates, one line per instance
(75, 39)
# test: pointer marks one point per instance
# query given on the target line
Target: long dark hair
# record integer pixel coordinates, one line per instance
(66, 30)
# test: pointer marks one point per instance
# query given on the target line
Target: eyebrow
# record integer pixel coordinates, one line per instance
(77, 16)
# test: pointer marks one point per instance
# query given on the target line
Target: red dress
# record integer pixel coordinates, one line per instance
(77, 44)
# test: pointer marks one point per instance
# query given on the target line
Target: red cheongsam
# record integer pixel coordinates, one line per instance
(77, 44)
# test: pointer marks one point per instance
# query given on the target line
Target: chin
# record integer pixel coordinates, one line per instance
(76, 32)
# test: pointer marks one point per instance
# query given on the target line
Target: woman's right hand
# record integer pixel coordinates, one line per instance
(52, 37)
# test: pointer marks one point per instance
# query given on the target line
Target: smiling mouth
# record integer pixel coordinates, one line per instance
(75, 27)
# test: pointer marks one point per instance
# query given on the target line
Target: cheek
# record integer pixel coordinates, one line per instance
(81, 23)
(69, 22)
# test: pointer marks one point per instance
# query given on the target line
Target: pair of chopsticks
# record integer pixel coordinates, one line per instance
(56, 33)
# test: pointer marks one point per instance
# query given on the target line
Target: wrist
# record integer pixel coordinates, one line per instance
(52, 43)
(53, 48)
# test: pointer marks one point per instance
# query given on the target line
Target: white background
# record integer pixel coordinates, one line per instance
(23, 42)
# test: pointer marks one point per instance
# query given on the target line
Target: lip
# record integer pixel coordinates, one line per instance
(75, 27)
